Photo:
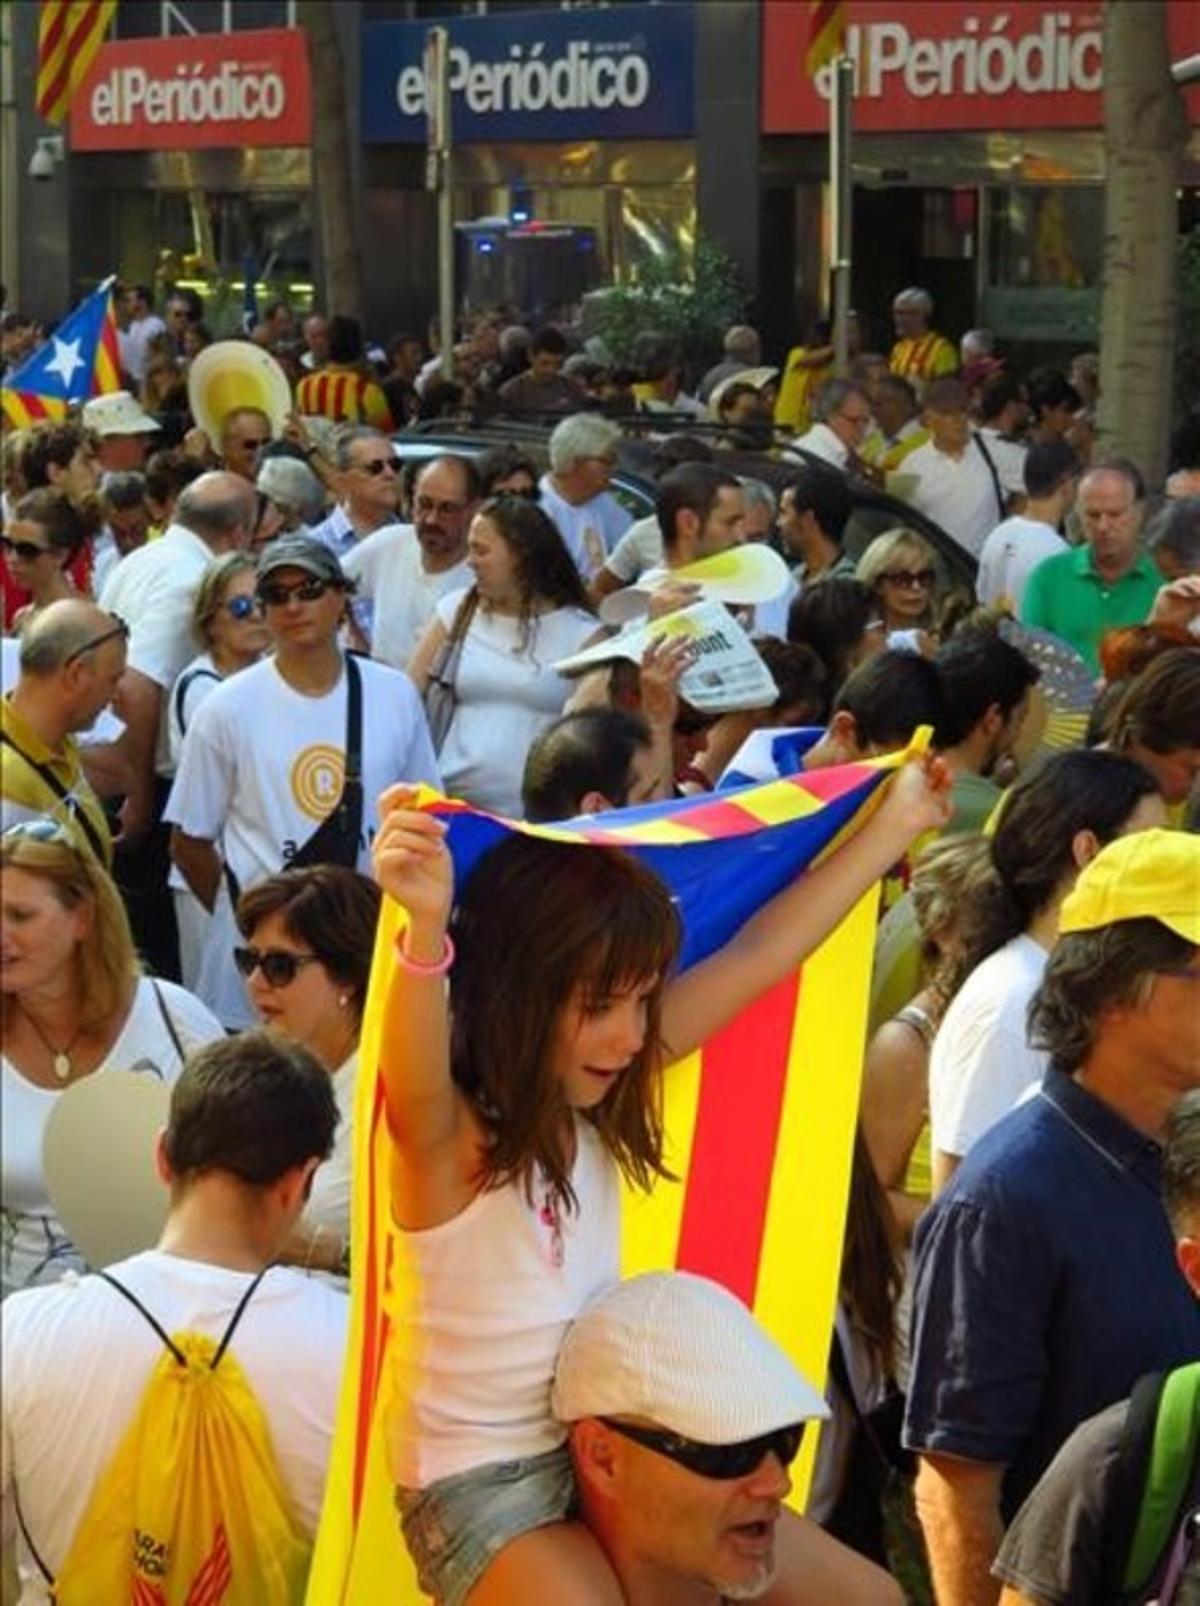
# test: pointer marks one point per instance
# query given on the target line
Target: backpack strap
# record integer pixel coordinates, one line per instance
(1001, 499)
(176, 1042)
(78, 813)
(28, 1537)
(161, 1331)
(1173, 1452)
(181, 689)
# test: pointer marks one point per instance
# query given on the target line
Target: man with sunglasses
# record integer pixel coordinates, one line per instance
(683, 1418)
(72, 657)
(404, 570)
(262, 781)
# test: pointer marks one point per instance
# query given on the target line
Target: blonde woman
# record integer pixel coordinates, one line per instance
(900, 570)
(73, 1003)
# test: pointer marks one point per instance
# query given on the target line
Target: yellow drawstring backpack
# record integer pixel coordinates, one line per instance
(191, 1510)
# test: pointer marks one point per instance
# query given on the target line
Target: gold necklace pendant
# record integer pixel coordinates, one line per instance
(62, 1067)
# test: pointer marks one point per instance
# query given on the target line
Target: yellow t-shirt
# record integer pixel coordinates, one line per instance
(923, 357)
(26, 765)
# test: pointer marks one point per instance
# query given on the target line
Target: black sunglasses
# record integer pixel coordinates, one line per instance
(120, 629)
(721, 1461)
(379, 465)
(28, 551)
(278, 966)
(306, 591)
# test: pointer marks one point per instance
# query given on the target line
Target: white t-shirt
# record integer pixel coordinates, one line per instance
(403, 593)
(77, 1359)
(981, 1062)
(1009, 458)
(821, 441)
(132, 343)
(506, 695)
(36, 1248)
(1010, 554)
(958, 493)
(153, 589)
(590, 530)
(639, 549)
(329, 1202)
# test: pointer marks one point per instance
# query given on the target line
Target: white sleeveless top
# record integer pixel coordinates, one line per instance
(481, 1305)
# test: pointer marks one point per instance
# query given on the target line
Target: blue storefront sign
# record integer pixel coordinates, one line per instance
(624, 72)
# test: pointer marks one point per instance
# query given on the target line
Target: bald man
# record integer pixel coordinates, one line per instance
(72, 655)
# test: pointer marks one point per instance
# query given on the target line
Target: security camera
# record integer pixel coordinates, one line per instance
(47, 155)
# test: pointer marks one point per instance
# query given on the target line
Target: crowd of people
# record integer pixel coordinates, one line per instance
(230, 664)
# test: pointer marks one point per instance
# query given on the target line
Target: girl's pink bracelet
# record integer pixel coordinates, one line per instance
(417, 967)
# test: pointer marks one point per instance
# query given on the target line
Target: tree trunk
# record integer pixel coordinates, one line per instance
(1144, 136)
(331, 161)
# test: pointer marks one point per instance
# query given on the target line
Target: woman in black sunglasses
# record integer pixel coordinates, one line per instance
(228, 619)
(308, 939)
(900, 571)
(41, 542)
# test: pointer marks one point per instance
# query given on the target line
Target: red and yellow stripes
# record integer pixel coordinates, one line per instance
(70, 32)
(22, 409)
(106, 373)
(826, 34)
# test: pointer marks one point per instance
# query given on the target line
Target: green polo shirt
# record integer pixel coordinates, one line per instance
(1065, 595)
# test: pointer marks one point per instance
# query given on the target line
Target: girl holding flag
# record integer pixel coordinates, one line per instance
(514, 1102)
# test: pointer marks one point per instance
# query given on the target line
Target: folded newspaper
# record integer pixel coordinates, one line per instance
(726, 672)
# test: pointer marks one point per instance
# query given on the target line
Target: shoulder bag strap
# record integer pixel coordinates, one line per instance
(181, 689)
(353, 721)
(1001, 499)
(78, 812)
(445, 668)
(176, 1043)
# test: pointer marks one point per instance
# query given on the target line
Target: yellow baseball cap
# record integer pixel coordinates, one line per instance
(1150, 875)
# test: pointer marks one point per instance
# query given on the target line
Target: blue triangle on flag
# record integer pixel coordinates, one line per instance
(62, 368)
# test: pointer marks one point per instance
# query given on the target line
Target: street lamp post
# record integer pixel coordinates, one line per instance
(438, 177)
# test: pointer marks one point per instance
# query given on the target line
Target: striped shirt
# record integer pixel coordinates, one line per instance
(344, 395)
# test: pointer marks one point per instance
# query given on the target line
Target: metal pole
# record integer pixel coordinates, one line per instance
(439, 176)
(841, 194)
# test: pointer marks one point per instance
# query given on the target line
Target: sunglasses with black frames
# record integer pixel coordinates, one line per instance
(720, 1461)
(120, 629)
(278, 965)
(278, 596)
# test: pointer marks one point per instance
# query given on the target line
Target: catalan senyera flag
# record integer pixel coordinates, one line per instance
(826, 34)
(70, 32)
(80, 359)
(759, 1123)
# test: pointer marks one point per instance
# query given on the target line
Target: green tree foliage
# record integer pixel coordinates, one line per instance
(689, 303)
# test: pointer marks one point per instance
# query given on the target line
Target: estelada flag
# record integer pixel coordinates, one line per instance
(80, 359)
(826, 34)
(759, 1124)
(70, 32)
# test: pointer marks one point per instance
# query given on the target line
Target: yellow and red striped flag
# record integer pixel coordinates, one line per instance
(70, 32)
(826, 34)
(759, 1123)
(80, 359)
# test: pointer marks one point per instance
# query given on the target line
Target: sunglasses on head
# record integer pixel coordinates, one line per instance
(278, 966)
(26, 550)
(910, 579)
(119, 630)
(243, 608)
(721, 1461)
(278, 596)
(43, 829)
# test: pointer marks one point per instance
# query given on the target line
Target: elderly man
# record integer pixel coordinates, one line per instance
(245, 435)
(583, 455)
(251, 1119)
(403, 569)
(920, 353)
(368, 475)
(683, 1418)
(316, 342)
(1107, 582)
(842, 410)
(1173, 538)
(898, 430)
(124, 433)
(743, 349)
(958, 484)
(154, 588)
(1045, 1279)
(72, 656)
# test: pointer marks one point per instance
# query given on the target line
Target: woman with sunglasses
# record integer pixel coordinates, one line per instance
(309, 936)
(229, 621)
(900, 571)
(41, 542)
(73, 1003)
(491, 649)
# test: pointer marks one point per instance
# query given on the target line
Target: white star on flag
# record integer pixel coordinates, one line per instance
(65, 360)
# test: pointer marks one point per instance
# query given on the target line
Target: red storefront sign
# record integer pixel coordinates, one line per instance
(197, 91)
(947, 64)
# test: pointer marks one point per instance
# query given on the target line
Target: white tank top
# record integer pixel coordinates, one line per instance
(480, 1307)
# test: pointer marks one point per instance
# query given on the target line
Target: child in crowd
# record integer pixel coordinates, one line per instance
(514, 1102)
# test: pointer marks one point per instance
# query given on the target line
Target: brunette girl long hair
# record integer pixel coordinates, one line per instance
(593, 924)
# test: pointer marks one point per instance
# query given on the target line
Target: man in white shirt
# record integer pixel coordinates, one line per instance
(263, 767)
(575, 493)
(368, 484)
(251, 1120)
(403, 569)
(1015, 548)
(1003, 415)
(153, 589)
(956, 485)
(842, 410)
(139, 323)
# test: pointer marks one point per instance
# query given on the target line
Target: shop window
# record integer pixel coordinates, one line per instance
(1046, 236)
(948, 224)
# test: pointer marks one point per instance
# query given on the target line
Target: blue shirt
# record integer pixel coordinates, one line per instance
(1045, 1286)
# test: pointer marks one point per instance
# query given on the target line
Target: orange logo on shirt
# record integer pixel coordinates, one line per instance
(317, 777)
